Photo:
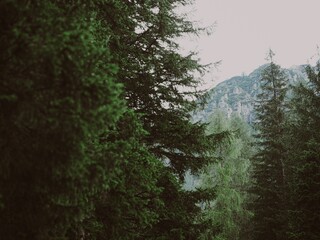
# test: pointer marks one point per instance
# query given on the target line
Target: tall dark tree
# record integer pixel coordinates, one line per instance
(158, 80)
(269, 162)
(304, 156)
(159, 84)
(76, 163)
(56, 95)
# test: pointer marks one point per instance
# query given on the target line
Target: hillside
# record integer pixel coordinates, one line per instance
(237, 94)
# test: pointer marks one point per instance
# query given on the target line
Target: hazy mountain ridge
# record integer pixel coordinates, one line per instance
(237, 94)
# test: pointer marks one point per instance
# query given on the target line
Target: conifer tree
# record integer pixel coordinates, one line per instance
(303, 146)
(57, 94)
(230, 178)
(159, 84)
(269, 162)
(158, 80)
(76, 162)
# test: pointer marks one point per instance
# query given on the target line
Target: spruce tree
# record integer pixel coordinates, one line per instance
(57, 94)
(269, 161)
(158, 80)
(76, 162)
(230, 178)
(159, 84)
(304, 145)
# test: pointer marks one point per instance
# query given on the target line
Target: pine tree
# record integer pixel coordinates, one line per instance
(159, 84)
(230, 178)
(158, 80)
(269, 162)
(57, 94)
(77, 162)
(304, 145)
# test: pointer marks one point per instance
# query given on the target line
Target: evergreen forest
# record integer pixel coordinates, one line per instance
(97, 135)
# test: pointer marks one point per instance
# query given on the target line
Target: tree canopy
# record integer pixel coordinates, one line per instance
(97, 137)
(95, 124)
(269, 162)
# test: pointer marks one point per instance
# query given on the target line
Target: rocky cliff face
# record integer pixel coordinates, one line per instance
(237, 94)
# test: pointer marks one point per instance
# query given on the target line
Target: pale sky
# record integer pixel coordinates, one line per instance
(246, 29)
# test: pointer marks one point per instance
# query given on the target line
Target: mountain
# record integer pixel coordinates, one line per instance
(237, 94)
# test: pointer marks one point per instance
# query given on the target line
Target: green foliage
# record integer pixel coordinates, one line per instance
(230, 179)
(56, 94)
(159, 84)
(303, 153)
(270, 166)
(158, 80)
(131, 204)
(75, 162)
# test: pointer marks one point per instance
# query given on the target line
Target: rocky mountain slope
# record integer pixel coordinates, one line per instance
(237, 94)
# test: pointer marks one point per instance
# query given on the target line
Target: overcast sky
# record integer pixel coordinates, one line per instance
(246, 29)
